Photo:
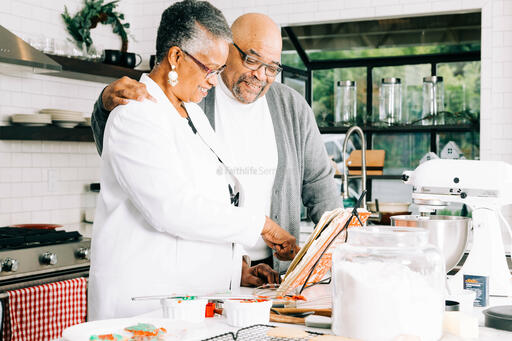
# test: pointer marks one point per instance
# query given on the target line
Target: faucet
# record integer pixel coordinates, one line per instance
(351, 130)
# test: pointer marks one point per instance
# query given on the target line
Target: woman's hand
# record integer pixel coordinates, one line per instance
(279, 240)
(123, 89)
(257, 275)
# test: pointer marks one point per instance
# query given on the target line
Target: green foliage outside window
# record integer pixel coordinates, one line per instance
(462, 98)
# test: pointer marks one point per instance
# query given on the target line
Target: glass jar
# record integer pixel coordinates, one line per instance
(390, 102)
(345, 108)
(433, 100)
(387, 282)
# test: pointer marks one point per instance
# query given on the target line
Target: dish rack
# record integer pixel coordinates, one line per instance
(257, 332)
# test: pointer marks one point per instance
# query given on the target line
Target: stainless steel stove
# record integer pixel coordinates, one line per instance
(30, 256)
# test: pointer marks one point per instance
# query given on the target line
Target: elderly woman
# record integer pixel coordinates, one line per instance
(167, 219)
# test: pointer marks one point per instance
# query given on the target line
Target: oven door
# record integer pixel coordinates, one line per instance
(29, 281)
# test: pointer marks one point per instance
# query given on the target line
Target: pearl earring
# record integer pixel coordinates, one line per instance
(173, 76)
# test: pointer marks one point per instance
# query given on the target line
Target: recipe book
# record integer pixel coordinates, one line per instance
(314, 260)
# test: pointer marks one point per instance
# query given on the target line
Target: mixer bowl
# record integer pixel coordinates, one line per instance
(449, 233)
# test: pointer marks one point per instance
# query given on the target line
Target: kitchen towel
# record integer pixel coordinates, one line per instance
(43, 312)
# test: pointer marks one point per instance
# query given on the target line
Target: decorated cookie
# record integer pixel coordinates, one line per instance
(110, 337)
(145, 331)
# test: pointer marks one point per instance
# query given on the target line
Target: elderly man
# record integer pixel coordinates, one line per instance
(268, 129)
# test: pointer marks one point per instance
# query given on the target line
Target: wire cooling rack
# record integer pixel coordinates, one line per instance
(257, 332)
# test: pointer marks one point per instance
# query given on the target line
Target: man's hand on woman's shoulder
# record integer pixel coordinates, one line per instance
(122, 90)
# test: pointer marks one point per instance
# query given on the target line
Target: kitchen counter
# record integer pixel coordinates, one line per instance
(217, 325)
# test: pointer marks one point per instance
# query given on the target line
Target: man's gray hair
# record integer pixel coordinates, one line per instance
(184, 25)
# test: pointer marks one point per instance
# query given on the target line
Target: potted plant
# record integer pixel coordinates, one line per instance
(93, 13)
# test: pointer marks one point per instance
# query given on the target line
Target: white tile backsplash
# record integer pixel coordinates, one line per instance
(5, 190)
(31, 175)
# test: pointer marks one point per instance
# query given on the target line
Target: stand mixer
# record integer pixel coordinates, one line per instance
(485, 187)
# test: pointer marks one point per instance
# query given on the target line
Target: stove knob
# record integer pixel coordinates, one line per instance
(83, 253)
(48, 258)
(10, 264)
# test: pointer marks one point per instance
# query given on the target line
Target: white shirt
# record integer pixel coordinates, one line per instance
(164, 223)
(247, 134)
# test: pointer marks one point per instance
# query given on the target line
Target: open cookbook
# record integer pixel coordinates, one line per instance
(314, 259)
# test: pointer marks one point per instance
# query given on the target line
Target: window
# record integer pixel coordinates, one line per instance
(405, 48)
(461, 91)
(403, 151)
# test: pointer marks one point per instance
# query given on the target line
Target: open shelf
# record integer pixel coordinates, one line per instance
(48, 133)
(91, 71)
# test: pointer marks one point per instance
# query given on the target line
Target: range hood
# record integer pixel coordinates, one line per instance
(14, 50)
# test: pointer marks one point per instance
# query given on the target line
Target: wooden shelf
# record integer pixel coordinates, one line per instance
(404, 129)
(48, 133)
(91, 71)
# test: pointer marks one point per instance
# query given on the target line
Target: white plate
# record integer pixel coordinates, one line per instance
(176, 330)
(68, 119)
(65, 124)
(40, 119)
(62, 117)
(60, 111)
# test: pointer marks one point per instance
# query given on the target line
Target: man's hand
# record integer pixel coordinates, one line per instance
(279, 240)
(120, 91)
(258, 275)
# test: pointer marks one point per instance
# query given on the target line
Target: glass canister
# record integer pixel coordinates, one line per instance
(390, 102)
(345, 109)
(433, 100)
(387, 282)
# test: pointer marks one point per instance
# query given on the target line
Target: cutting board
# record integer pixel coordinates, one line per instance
(374, 162)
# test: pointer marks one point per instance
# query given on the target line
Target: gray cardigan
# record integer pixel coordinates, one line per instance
(303, 168)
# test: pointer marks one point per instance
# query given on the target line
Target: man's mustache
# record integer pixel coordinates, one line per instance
(253, 81)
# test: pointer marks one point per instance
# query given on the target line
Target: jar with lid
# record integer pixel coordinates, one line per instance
(433, 100)
(345, 108)
(390, 102)
(387, 282)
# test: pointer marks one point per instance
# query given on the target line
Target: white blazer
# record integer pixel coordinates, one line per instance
(164, 223)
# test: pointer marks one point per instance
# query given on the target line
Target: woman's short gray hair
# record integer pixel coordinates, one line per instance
(184, 23)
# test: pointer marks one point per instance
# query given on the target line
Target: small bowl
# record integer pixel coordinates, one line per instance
(242, 313)
(192, 310)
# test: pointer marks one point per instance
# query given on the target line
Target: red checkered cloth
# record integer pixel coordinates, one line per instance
(43, 312)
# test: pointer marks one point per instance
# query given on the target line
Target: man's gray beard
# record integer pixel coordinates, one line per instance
(238, 93)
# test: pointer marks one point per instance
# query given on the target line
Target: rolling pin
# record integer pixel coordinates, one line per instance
(287, 319)
(321, 312)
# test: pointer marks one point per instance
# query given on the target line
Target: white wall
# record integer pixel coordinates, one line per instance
(46, 181)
